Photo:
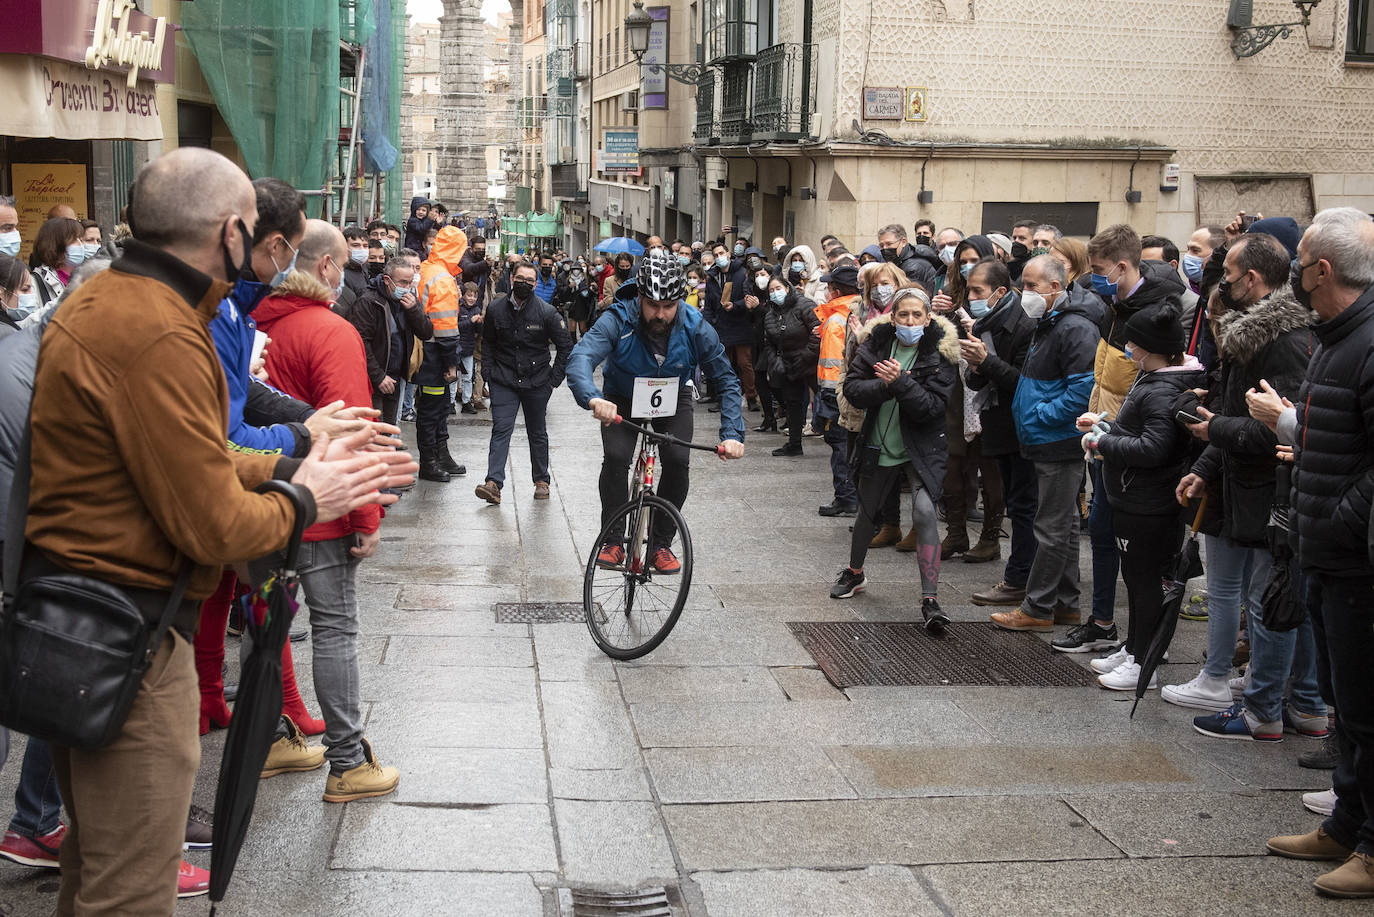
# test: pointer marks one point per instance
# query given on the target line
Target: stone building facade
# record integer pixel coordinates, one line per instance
(1030, 108)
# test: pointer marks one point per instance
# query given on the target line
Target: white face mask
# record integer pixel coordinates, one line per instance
(9, 242)
(25, 305)
(947, 254)
(761, 282)
(1033, 304)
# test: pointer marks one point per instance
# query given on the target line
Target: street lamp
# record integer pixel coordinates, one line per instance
(1251, 39)
(637, 27)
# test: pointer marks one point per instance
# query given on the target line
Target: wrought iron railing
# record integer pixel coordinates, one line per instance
(706, 106)
(734, 103)
(784, 92)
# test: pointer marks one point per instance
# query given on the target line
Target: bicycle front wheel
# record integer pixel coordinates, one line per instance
(631, 606)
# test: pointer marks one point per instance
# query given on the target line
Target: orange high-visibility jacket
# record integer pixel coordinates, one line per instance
(439, 293)
(834, 316)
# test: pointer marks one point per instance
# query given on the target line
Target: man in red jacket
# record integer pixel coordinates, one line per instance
(317, 356)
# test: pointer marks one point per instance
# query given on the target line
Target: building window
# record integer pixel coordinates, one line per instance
(616, 43)
(731, 29)
(1359, 43)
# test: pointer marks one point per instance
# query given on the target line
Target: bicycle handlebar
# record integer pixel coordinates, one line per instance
(671, 440)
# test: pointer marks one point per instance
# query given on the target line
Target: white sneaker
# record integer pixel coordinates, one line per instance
(1125, 677)
(1237, 684)
(1323, 803)
(1202, 693)
(1109, 663)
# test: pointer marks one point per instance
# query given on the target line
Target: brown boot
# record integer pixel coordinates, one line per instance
(1353, 879)
(954, 543)
(290, 754)
(908, 544)
(1314, 845)
(887, 536)
(986, 550)
(362, 782)
(1001, 594)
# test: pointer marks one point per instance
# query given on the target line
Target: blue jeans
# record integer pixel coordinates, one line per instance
(837, 438)
(506, 402)
(466, 384)
(1236, 576)
(1106, 562)
(1274, 656)
(1342, 612)
(1020, 494)
(408, 396)
(37, 802)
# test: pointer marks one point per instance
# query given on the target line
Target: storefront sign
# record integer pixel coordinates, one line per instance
(883, 103)
(114, 44)
(40, 186)
(655, 90)
(47, 98)
(621, 151)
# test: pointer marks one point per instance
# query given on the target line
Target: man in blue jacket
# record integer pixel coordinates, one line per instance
(648, 333)
(1056, 380)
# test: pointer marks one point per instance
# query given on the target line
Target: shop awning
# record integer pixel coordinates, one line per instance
(51, 98)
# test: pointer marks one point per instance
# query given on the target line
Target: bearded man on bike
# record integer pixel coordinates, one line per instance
(648, 333)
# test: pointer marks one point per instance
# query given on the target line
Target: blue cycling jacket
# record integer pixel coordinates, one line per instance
(615, 340)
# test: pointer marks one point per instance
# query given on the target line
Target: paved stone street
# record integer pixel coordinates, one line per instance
(725, 765)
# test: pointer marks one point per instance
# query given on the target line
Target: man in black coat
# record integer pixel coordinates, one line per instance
(1333, 492)
(389, 319)
(516, 334)
(919, 266)
(994, 351)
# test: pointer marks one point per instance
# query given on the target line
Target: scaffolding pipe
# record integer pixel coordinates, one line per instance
(357, 95)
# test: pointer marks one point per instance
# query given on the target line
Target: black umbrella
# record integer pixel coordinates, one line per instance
(1189, 565)
(258, 708)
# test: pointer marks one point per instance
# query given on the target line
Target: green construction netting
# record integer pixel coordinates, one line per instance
(273, 68)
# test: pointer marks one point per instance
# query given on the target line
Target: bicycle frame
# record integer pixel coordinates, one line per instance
(644, 479)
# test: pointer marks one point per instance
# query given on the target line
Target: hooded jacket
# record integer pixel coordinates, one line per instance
(417, 230)
(1272, 340)
(1007, 332)
(1113, 373)
(317, 356)
(1333, 487)
(1146, 451)
(439, 274)
(813, 289)
(921, 394)
(1057, 378)
(791, 349)
(921, 264)
(616, 341)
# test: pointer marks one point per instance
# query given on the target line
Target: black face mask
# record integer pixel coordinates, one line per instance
(924, 240)
(778, 252)
(1226, 295)
(1019, 250)
(374, 268)
(522, 289)
(1304, 297)
(622, 272)
(244, 269)
(546, 271)
(889, 254)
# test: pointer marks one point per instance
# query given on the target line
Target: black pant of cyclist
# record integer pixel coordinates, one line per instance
(618, 448)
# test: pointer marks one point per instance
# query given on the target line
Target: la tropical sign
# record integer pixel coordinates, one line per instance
(114, 45)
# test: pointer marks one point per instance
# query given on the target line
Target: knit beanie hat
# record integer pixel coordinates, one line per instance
(1157, 330)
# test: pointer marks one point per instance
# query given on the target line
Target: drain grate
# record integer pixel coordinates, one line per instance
(876, 655)
(585, 902)
(539, 612)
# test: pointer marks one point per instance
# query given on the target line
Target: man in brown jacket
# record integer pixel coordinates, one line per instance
(131, 475)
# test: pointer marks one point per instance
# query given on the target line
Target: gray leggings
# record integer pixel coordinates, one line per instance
(873, 493)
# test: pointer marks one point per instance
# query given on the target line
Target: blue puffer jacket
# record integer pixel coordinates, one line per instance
(232, 330)
(615, 340)
(1057, 379)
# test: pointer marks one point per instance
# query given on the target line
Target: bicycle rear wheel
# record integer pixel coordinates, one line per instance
(632, 607)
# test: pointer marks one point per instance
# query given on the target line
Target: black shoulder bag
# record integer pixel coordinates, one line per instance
(73, 648)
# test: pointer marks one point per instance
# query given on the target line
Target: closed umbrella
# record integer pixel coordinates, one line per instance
(1188, 566)
(617, 244)
(258, 708)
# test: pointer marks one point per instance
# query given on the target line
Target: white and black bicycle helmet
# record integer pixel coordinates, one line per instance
(660, 276)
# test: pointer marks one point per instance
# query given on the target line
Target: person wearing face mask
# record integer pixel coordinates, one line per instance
(389, 321)
(354, 271)
(10, 240)
(696, 286)
(440, 274)
(994, 351)
(800, 270)
(790, 353)
(476, 268)
(780, 249)
(902, 376)
(1158, 248)
(576, 299)
(1125, 285)
(1262, 332)
(57, 250)
(18, 295)
(734, 321)
(834, 314)
(923, 233)
(622, 266)
(920, 265)
(517, 332)
(1052, 393)
(1201, 244)
(946, 243)
(1142, 453)
(756, 302)
(1022, 238)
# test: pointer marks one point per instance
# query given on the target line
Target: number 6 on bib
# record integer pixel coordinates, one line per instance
(654, 397)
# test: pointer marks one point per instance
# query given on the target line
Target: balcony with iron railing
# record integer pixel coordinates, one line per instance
(706, 109)
(769, 97)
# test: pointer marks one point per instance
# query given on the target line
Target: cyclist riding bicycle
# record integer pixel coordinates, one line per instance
(647, 333)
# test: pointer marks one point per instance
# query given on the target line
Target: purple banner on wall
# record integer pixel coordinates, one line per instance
(655, 90)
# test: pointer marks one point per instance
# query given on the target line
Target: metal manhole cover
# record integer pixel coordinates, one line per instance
(538, 612)
(876, 655)
(585, 902)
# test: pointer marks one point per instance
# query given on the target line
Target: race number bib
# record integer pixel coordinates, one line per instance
(654, 397)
